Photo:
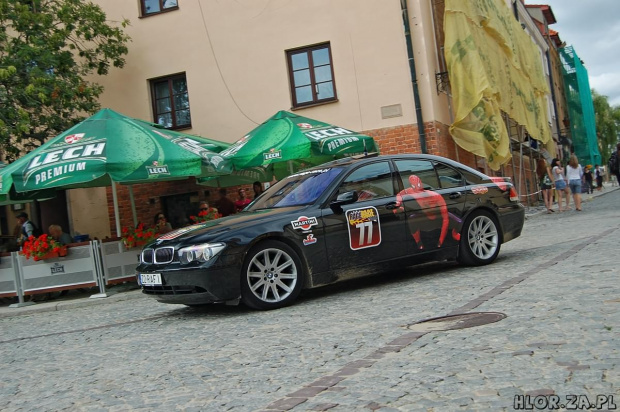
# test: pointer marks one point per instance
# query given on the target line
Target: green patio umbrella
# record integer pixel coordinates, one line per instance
(109, 146)
(286, 143)
(266, 173)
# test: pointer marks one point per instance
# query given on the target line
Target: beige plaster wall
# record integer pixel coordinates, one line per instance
(435, 105)
(88, 212)
(233, 53)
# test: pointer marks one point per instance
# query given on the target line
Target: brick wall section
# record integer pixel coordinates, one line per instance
(391, 140)
(405, 139)
(148, 202)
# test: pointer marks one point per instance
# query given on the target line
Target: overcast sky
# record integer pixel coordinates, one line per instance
(592, 27)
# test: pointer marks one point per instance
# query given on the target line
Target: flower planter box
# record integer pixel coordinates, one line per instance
(51, 255)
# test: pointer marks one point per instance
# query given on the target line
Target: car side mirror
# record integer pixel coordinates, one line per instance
(345, 198)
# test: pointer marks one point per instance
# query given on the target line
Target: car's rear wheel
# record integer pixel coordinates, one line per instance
(480, 240)
(272, 276)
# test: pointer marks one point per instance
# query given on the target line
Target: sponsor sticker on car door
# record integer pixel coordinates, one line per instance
(364, 227)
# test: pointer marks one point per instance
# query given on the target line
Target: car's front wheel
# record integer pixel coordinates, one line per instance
(480, 240)
(272, 276)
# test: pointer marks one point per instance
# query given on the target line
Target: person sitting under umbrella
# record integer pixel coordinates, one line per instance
(61, 237)
(161, 223)
(242, 202)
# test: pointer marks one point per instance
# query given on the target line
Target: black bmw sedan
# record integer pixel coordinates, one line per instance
(343, 219)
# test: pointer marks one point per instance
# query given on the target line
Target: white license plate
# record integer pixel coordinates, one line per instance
(150, 279)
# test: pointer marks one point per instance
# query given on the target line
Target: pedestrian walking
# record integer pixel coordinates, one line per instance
(587, 175)
(574, 174)
(614, 163)
(560, 184)
(546, 183)
(598, 175)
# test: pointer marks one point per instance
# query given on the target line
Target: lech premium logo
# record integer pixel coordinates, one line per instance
(273, 154)
(61, 160)
(304, 125)
(157, 169)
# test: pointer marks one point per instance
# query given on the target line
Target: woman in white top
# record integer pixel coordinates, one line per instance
(574, 174)
(560, 183)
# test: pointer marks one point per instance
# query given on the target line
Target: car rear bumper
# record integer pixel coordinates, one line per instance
(512, 221)
(196, 286)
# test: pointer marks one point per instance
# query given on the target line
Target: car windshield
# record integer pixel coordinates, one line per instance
(299, 189)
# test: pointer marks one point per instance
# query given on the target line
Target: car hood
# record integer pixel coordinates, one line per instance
(226, 227)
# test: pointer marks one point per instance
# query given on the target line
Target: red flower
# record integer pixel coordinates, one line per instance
(138, 236)
(37, 248)
(206, 215)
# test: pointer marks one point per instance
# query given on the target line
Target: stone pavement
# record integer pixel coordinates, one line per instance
(351, 346)
(129, 291)
(73, 299)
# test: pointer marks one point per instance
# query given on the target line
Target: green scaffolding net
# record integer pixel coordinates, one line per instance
(580, 108)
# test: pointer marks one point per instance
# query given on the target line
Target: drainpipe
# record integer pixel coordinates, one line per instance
(414, 79)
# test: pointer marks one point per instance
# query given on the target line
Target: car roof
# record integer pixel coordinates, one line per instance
(351, 160)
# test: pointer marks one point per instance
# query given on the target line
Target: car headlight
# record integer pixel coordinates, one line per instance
(200, 253)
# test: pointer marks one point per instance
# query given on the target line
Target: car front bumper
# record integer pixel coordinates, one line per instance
(196, 285)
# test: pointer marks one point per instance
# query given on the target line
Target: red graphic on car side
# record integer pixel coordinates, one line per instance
(430, 202)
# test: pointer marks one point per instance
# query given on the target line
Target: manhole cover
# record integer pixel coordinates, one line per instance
(466, 320)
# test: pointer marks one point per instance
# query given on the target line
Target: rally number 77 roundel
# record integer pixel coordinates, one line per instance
(364, 228)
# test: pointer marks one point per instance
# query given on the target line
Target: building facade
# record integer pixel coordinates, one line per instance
(219, 69)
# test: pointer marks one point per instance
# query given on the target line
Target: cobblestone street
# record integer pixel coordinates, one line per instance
(346, 347)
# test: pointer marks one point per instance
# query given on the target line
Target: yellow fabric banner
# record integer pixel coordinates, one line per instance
(494, 66)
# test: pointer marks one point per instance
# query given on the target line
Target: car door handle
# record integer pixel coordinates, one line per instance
(391, 206)
(455, 195)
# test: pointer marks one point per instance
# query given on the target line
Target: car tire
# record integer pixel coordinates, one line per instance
(272, 276)
(480, 239)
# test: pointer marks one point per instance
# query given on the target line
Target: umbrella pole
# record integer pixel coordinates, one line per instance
(116, 214)
(133, 206)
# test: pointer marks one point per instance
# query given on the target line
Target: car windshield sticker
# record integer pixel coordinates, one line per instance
(179, 232)
(479, 190)
(309, 172)
(309, 240)
(304, 223)
(364, 228)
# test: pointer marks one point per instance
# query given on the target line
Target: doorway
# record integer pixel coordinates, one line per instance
(179, 208)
